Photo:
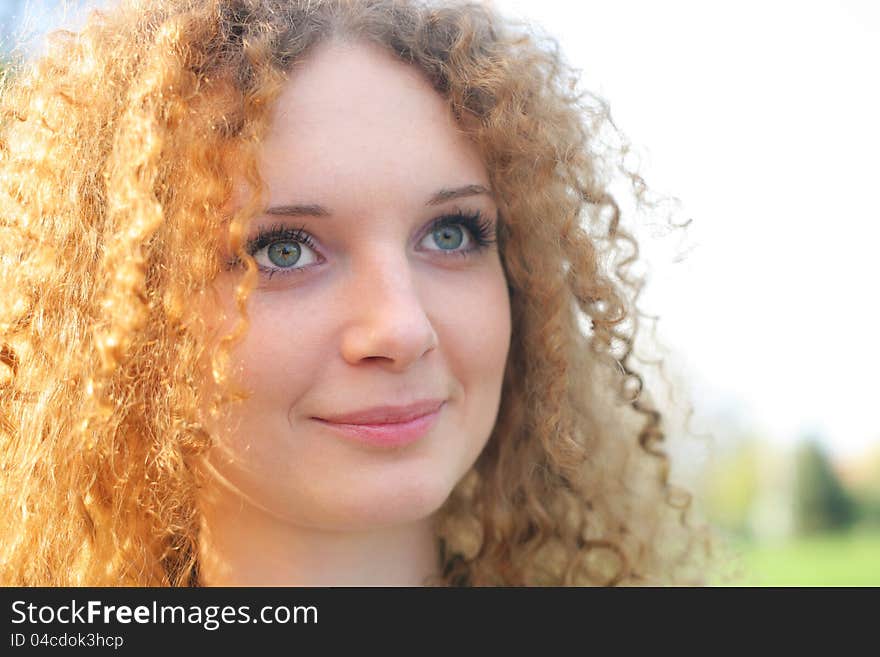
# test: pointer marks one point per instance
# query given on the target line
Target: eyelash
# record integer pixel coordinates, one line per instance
(480, 230)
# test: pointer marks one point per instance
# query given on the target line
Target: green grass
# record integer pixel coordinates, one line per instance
(851, 559)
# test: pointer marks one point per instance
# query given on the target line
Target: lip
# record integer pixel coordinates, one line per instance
(403, 424)
(387, 414)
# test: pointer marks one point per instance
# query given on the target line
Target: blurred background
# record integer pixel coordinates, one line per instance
(759, 123)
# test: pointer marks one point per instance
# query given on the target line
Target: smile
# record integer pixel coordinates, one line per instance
(396, 434)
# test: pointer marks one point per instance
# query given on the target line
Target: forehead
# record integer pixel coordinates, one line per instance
(352, 113)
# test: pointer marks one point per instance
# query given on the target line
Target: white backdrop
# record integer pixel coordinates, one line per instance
(764, 119)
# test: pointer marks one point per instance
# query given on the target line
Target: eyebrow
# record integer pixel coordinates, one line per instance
(312, 210)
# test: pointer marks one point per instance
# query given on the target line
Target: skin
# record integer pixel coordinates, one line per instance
(379, 314)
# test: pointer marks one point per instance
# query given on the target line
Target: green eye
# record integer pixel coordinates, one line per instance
(284, 254)
(448, 237)
(281, 248)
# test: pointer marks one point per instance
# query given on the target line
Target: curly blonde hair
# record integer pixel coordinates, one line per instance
(117, 155)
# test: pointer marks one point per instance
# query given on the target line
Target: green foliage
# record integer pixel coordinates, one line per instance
(820, 501)
(865, 486)
(867, 510)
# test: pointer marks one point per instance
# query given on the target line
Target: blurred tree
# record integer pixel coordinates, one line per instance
(820, 501)
(861, 476)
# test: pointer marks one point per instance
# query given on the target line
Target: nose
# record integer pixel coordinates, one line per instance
(386, 317)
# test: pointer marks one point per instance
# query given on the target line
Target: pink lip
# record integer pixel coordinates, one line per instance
(386, 414)
(415, 424)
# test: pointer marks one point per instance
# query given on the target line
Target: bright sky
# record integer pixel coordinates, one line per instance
(763, 118)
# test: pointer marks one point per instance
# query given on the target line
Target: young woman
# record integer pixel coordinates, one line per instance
(314, 293)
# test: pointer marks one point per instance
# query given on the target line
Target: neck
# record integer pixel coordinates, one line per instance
(242, 545)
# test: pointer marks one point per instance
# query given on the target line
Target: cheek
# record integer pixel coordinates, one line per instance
(286, 334)
(283, 351)
(473, 324)
(278, 361)
(474, 335)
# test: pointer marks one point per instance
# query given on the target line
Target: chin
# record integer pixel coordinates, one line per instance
(388, 503)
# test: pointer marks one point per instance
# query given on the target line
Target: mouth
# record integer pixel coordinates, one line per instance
(395, 433)
(387, 414)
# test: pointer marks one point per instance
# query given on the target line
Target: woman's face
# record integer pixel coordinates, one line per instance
(381, 306)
